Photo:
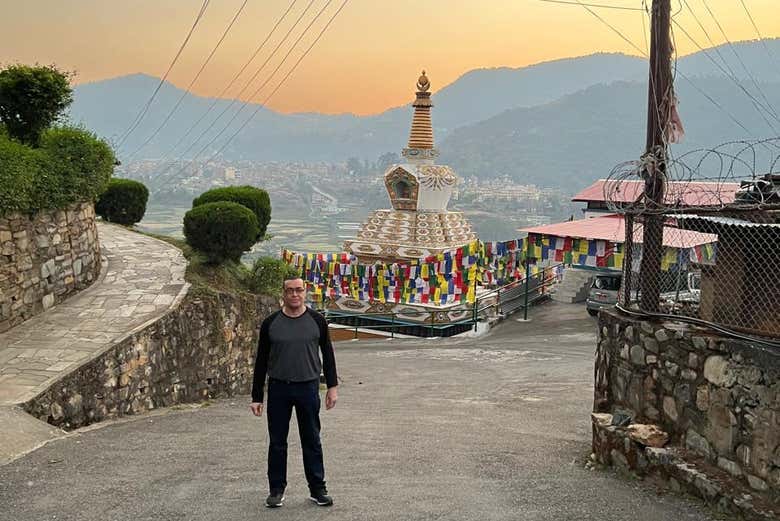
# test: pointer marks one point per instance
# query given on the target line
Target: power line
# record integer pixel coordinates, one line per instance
(145, 108)
(268, 79)
(713, 45)
(187, 90)
(231, 83)
(599, 6)
(300, 59)
(289, 73)
(736, 54)
(756, 104)
(690, 82)
(616, 31)
(248, 83)
(760, 37)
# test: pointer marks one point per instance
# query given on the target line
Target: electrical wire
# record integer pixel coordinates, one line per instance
(739, 59)
(599, 6)
(189, 87)
(683, 76)
(760, 108)
(140, 116)
(261, 105)
(214, 102)
(760, 37)
(265, 101)
(248, 83)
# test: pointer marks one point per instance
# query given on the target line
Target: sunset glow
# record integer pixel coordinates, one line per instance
(364, 61)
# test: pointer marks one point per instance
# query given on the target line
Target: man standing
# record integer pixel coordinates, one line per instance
(289, 352)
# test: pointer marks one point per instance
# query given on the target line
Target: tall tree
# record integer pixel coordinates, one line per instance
(32, 98)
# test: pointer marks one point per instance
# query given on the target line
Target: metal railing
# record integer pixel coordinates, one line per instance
(498, 302)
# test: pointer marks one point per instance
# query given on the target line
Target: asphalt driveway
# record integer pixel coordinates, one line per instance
(493, 427)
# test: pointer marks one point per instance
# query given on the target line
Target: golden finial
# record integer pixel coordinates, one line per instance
(423, 84)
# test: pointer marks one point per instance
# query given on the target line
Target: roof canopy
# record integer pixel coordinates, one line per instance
(688, 193)
(613, 228)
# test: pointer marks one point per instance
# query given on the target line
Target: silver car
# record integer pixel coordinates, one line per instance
(603, 292)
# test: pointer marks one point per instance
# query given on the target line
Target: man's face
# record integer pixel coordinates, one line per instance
(294, 293)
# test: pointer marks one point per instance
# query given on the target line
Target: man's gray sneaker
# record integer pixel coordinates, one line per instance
(322, 498)
(275, 499)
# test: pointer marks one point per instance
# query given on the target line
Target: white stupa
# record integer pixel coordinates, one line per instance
(419, 223)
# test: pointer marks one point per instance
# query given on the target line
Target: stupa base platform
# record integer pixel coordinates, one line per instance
(407, 319)
(400, 327)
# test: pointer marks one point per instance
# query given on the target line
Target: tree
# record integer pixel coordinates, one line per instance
(354, 166)
(32, 98)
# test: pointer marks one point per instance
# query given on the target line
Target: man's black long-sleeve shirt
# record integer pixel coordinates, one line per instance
(289, 349)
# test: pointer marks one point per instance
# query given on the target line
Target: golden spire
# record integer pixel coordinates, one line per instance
(421, 135)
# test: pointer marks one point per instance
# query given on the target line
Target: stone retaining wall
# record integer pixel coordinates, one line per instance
(44, 259)
(202, 348)
(674, 468)
(716, 397)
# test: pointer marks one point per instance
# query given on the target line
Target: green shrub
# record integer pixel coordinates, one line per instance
(256, 199)
(221, 230)
(71, 166)
(268, 275)
(123, 202)
(78, 167)
(32, 98)
(19, 165)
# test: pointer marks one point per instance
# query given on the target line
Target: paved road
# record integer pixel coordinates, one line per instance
(472, 429)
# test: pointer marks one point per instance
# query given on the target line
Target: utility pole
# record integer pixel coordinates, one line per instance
(660, 98)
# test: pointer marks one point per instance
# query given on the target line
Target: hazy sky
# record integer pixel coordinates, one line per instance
(366, 62)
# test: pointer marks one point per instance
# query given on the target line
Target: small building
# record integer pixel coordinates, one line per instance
(740, 289)
(680, 194)
(598, 243)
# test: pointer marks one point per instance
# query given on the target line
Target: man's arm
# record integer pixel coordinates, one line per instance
(261, 364)
(328, 357)
(328, 362)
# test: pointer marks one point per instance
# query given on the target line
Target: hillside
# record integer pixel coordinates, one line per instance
(527, 112)
(571, 142)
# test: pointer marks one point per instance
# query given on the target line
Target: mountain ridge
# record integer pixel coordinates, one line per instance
(108, 107)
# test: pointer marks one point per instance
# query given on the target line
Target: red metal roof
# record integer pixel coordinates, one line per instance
(613, 228)
(689, 193)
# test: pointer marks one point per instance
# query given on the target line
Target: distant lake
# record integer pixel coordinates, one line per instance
(321, 234)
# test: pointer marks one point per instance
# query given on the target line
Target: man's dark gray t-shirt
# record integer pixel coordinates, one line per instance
(289, 350)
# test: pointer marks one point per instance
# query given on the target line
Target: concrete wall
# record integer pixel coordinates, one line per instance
(202, 348)
(717, 398)
(44, 259)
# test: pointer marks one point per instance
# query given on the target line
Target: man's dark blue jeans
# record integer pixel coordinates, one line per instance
(305, 398)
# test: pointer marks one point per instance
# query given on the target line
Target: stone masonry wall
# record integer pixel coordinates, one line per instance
(44, 259)
(202, 348)
(717, 397)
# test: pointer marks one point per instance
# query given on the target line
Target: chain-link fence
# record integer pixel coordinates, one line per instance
(720, 268)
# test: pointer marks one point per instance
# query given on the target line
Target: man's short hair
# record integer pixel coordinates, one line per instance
(294, 276)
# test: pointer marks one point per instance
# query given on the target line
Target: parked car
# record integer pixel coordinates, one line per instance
(603, 291)
(605, 286)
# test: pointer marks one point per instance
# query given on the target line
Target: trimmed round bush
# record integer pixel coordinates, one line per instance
(123, 202)
(221, 230)
(256, 199)
(268, 276)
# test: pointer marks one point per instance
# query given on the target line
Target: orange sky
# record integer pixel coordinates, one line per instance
(367, 61)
